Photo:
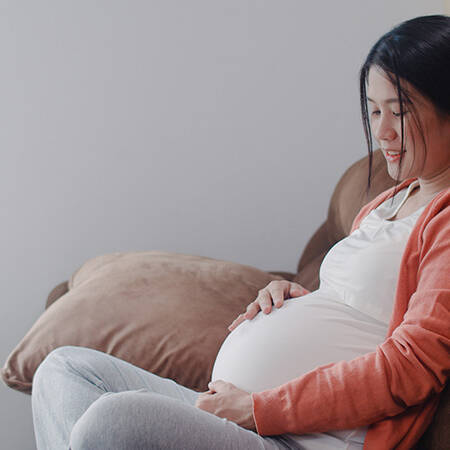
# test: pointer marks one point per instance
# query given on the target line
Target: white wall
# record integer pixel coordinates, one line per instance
(209, 127)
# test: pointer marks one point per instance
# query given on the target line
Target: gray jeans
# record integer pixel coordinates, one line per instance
(86, 399)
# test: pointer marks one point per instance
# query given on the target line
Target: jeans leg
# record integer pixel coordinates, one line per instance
(71, 378)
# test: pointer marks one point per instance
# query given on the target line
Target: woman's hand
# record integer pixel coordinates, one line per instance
(229, 402)
(274, 293)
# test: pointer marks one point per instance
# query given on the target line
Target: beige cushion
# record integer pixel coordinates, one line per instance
(164, 312)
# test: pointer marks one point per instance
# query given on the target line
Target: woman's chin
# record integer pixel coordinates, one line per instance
(394, 174)
(392, 169)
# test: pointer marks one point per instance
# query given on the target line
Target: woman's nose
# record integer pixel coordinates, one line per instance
(384, 130)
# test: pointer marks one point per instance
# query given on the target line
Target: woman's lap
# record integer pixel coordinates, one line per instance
(98, 401)
(147, 420)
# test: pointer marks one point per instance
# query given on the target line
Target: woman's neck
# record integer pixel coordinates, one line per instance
(429, 187)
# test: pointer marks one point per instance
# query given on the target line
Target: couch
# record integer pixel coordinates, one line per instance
(168, 313)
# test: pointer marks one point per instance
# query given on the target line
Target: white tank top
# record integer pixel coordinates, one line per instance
(346, 317)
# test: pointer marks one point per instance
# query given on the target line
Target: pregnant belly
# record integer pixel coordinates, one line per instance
(303, 334)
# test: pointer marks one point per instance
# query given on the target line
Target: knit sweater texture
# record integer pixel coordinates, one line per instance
(394, 389)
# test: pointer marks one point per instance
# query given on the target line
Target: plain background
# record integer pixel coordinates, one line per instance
(215, 128)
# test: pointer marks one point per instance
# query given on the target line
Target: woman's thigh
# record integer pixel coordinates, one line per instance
(111, 374)
(145, 420)
(73, 384)
(71, 378)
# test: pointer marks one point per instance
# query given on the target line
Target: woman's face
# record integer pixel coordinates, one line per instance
(385, 122)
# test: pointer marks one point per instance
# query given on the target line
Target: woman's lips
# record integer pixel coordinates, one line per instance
(392, 156)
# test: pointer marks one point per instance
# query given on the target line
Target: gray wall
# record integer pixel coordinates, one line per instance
(208, 127)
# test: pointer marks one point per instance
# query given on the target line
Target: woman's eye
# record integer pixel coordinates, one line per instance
(398, 114)
(375, 113)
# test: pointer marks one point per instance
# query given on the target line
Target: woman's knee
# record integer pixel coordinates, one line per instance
(142, 419)
(112, 422)
(58, 362)
(46, 369)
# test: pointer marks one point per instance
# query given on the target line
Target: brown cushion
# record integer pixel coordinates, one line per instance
(57, 292)
(164, 312)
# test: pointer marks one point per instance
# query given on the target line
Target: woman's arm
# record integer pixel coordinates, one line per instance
(405, 370)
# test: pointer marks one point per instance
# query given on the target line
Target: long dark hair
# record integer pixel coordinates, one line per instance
(416, 51)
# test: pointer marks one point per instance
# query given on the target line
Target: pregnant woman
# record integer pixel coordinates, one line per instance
(358, 363)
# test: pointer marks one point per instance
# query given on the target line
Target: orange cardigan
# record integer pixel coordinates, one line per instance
(396, 388)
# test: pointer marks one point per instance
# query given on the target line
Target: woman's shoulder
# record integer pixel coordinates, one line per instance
(434, 222)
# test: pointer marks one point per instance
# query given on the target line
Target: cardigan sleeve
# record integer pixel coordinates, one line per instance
(405, 370)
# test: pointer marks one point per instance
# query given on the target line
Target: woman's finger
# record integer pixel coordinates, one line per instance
(278, 294)
(299, 290)
(264, 300)
(296, 290)
(236, 322)
(252, 309)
